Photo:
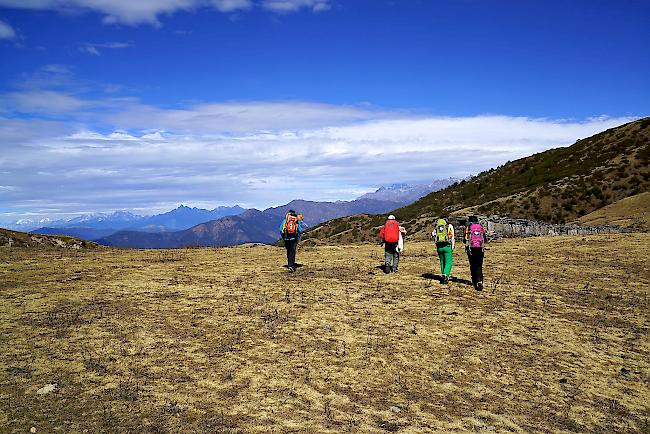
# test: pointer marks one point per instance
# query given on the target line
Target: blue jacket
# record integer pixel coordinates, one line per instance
(291, 237)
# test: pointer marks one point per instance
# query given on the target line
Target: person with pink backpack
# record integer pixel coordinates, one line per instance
(475, 240)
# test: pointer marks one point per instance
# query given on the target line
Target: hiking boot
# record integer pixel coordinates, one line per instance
(479, 286)
(291, 269)
(394, 270)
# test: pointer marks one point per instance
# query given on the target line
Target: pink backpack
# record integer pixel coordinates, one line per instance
(476, 232)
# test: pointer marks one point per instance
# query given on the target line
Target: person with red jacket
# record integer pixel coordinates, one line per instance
(390, 234)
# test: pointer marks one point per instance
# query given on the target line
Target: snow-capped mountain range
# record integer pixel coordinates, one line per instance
(29, 224)
(408, 193)
(179, 218)
(94, 226)
(94, 218)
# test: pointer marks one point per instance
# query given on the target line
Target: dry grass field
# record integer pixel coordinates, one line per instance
(225, 340)
(631, 212)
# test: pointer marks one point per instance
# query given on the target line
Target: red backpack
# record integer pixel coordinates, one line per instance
(391, 231)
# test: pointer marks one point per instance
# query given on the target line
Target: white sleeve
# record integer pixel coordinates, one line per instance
(453, 237)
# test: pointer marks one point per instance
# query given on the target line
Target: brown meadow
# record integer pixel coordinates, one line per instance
(225, 340)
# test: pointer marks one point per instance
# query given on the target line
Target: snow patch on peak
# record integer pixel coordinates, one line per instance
(403, 194)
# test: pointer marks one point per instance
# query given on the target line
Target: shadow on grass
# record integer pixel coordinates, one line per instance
(383, 268)
(438, 277)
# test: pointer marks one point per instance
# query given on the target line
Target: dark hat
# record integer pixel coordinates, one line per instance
(473, 219)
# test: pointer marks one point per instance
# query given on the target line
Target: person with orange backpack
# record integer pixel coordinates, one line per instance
(291, 230)
(390, 235)
(475, 240)
(444, 237)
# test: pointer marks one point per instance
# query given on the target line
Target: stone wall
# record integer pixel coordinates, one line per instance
(498, 227)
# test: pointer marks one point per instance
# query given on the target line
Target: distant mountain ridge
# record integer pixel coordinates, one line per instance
(181, 217)
(78, 232)
(317, 212)
(252, 226)
(249, 227)
(408, 193)
(185, 217)
(27, 224)
(98, 225)
(102, 220)
(176, 228)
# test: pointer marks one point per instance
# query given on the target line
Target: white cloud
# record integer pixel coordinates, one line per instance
(118, 153)
(231, 5)
(240, 117)
(94, 48)
(295, 5)
(6, 31)
(114, 11)
(318, 155)
(140, 11)
(42, 101)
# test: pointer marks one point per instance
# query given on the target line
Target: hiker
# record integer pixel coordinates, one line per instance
(475, 240)
(290, 230)
(390, 235)
(444, 237)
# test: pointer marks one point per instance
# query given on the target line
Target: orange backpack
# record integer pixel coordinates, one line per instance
(291, 225)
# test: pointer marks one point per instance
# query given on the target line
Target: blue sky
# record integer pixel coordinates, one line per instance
(143, 105)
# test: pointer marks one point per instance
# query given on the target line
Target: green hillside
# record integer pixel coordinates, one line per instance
(557, 186)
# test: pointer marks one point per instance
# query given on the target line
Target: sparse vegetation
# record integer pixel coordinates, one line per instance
(23, 239)
(224, 340)
(632, 212)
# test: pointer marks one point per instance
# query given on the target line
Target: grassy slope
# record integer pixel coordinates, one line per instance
(556, 186)
(224, 340)
(24, 239)
(631, 212)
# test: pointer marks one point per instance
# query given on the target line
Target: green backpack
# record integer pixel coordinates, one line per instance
(441, 231)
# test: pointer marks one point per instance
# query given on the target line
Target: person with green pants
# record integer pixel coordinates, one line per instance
(444, 237)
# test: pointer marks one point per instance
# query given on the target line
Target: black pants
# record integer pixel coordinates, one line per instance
(475, 256)
(291, 246)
